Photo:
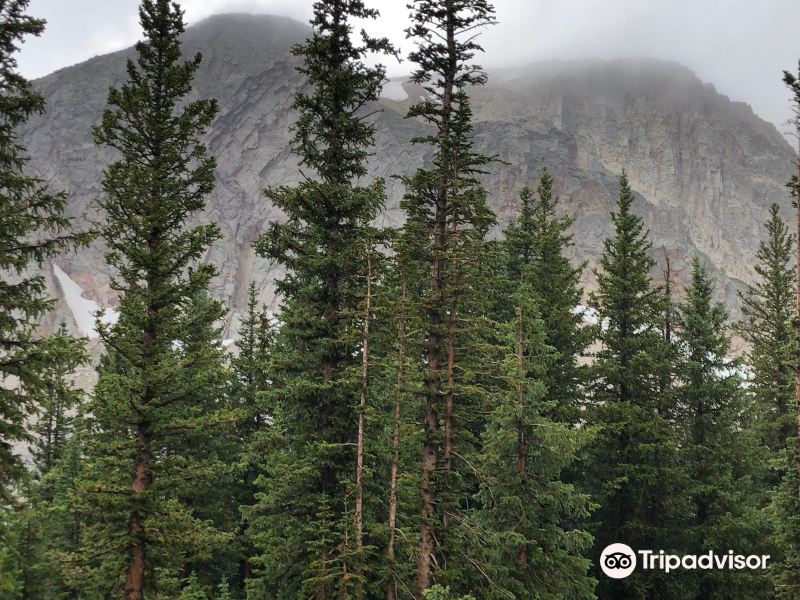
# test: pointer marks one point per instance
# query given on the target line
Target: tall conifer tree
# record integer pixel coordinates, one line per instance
(57, 397)
(632, 472)
(398, 396)
(786, 501)
(787, 497)
(768, 326)
(250, 368)
(397, 385)
(42, 528)
(304, 525)
(717, 447)
(768, 311)
(33, 228)
(150, 456)
(446, 217)
(251, 375)
(536, 243)
(45, 529)
(534, 551)
(792, 81)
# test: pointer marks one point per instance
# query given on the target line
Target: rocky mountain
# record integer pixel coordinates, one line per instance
(705, 168)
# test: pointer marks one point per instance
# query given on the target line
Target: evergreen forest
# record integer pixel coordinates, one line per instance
(437, 410)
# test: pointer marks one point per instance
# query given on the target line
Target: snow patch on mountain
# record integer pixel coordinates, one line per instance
(393, 90)
(84, 311)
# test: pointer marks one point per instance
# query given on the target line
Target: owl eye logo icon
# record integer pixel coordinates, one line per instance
(618, 561)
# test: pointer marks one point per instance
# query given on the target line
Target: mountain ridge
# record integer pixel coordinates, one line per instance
(704, 167)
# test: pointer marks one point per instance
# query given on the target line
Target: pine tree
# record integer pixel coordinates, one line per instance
(61, 523)
(632, 470)
(397, 386)
(223, 590)
(304, 526)
(668, 357)
(786, 500)
(447, 218)
(192, 589)
(534, 551)
(717, 447)
(785, 510)
(437, 592)
(382, 487)
(397, 421)
(42, 527)
(57, 397)
(152, 422)
(249, 386)
(793, 83)
(206, 439)
(535, 243)
(767, 325)
(9, 557)
(23, 537)
(250, 368)
(368, 304)
(33, 228)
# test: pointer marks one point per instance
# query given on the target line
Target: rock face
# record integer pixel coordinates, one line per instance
(704, 168)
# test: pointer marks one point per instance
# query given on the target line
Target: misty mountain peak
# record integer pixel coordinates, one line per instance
(704, 168)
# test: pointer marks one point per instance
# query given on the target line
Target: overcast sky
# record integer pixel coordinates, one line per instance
(741, 46)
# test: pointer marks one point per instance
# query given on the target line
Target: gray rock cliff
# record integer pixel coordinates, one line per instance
(705, 168)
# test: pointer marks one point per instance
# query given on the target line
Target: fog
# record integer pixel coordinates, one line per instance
(740, 46)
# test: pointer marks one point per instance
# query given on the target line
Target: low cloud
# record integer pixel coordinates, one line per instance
(740, 46)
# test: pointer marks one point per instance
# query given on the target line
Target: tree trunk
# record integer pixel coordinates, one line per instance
(668, 294)
(430, 454)
(134, 582)
(391, 585)
(358, 513)
(666, 378)
(447, 173)
(797, 308)
(451, 359)
(522, 467)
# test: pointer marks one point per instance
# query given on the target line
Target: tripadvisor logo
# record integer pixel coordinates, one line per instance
(618, 561)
